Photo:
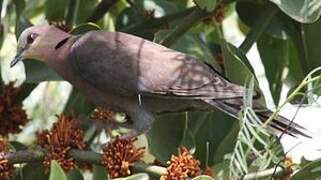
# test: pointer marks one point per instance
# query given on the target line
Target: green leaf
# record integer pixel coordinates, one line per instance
(207, 5)
(85, 9)
(275, 58)
(166, 135)
(77, 103)
(203, 177)
(85, 27)
(249, 11)
(237, 66)
(99, 173)
(304, 11)
(55, 10)
(75, 174)
(139, 176)
(309, 40)
(311, 170)
(32, 171)
(17, 146)
(188, 140)
(56, 172)
(209, 130)
(37, 72)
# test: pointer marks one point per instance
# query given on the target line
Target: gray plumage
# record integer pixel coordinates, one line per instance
(126, 73)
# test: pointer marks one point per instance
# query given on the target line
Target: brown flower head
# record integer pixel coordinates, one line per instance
(12, 116)
(119, 156)
(61, 25)
(6, 169)
(102, 114)
(182, 166)
(64, 135)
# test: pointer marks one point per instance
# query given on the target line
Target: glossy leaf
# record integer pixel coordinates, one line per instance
(304, 11)
(232, 61)
(32, 171)
(275, 58)
(249, 11)
(84, 10)
(166, 135)
(310, 35)
(55, 10)
(56, 172)
(75, 174)
(209, 129)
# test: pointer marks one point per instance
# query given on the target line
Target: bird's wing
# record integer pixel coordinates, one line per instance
(128, 65)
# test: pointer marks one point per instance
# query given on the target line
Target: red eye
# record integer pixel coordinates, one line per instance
(31, 37)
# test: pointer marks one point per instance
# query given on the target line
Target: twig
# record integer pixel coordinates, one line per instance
(153, 23)
(266, 173)
(100, 10)
(186, 24)
(36, 155)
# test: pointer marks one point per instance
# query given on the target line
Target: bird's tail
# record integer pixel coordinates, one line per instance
(278, 125)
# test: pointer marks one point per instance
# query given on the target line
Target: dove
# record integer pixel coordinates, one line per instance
(125, 73)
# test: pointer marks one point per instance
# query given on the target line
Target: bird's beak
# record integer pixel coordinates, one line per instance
(17, 58)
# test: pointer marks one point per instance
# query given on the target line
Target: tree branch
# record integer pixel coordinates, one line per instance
(186, 24)
(36, 155)
(157, 22)
(100, 10)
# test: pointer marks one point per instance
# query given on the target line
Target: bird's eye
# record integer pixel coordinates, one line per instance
(31, 37)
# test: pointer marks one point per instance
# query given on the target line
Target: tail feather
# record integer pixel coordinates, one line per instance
(278, 125)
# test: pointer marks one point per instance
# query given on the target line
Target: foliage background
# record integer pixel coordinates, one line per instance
(287, 35)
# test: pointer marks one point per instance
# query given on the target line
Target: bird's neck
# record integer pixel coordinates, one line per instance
(59, 58)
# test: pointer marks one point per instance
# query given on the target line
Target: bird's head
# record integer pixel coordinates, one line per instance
(37, 42)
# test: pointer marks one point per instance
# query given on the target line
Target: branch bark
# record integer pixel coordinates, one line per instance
(36, 155)
(183, 27)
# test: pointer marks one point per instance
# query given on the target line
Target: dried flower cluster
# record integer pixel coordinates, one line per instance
(64, 136)
(182, 166)
(12, 116)
(6, 169)
(119, 156)
(209, 172)
(102, 114)
(288, 163)
(219, 13)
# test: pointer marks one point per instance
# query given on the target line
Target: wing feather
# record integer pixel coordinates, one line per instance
(128, 65)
